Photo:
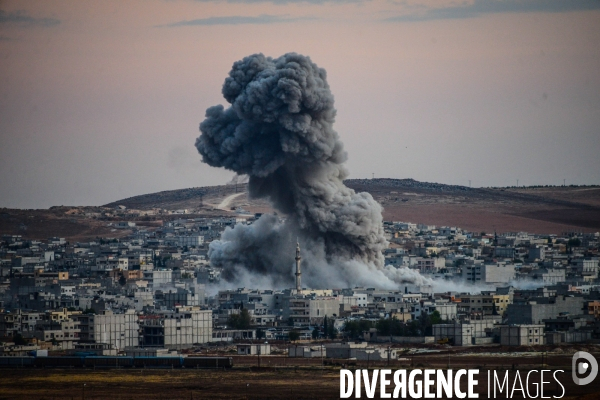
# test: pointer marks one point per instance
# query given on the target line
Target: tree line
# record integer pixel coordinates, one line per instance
(352, 329)
(393, 326)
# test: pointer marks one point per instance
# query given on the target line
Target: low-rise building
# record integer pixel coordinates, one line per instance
(479, 305)
(296, 351)
(254, 349)
(536, 310)
(309, 310)
(587, 268)
(447, 310)
(159, 277)
(63, 334)
(465, 334)
(497, 273)
(594, 309)
(359, 351)
(430, 265)
(229, 335)
(522, 335)
(537, 253)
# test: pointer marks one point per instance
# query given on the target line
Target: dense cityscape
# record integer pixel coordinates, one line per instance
(299, 199)
(155, 293)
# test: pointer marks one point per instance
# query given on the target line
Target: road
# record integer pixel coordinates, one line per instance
(224, 205)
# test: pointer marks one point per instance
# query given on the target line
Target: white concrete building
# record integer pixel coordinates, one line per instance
(430, 265)
(180, 329)
(446, 309)
(190, 241)
(309, 310)
(498, 273)
(465, 334)
(68, 291)
(587, 267)
(123, 263)
(264, 349)
(158, 277)
(118, 330)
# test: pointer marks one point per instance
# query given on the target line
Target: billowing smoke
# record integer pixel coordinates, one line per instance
(238, 179)
(279, 132)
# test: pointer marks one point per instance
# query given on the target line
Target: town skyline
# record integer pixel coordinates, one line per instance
(253, 198)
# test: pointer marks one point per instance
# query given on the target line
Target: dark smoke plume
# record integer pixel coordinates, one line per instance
(279, 131)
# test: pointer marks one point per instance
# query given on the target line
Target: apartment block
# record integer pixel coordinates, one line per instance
(484, 304)
(117, 330)
(305, 310)
(498, 273)
(180, 329)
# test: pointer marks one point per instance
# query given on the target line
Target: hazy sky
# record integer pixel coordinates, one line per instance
(101, 100)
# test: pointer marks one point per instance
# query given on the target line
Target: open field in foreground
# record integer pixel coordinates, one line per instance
(308, 381)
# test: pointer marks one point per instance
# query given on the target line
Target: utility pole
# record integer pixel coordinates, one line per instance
(322, 365)
(517, 183)
(369, 356)
(389, 351)
(564, 182)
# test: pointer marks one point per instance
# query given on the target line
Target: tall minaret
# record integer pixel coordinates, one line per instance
(298, 273)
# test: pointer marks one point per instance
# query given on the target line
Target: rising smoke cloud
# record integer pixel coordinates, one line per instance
(238, 179)
(278, 130)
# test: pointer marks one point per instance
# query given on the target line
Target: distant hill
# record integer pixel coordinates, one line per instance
(169, 197)
(534, 209)
(191, 197)
(542, 209)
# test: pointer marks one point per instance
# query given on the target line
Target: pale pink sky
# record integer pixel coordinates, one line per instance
(101, 100)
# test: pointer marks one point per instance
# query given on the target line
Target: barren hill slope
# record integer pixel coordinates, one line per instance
(536, 210)
(550, 209)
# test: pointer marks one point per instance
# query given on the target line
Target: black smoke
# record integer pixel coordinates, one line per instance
(278, 130)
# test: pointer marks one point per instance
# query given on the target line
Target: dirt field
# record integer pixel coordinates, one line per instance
(278, 378)
(167, 384)
(536, 210)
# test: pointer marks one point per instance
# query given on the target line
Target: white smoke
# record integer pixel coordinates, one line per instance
(238, 179)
